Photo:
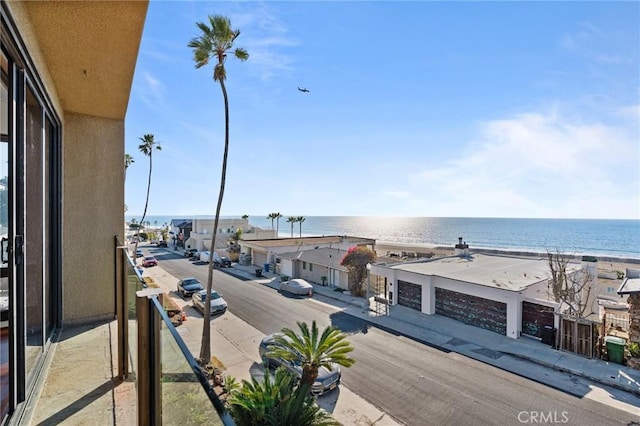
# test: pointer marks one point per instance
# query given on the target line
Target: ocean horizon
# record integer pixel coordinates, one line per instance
(618, 238)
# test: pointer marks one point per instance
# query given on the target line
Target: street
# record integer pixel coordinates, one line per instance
(411, 382)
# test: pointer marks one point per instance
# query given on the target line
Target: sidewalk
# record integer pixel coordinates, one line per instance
(482, 345)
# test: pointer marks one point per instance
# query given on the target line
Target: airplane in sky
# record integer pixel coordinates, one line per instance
(304, 90)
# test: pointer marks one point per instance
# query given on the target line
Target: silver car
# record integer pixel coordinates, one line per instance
(297, 286)
(327, 380)
(218, 304)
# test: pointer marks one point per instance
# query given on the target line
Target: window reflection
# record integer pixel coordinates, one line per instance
(33, 230)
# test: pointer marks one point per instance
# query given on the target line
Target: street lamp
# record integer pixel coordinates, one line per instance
(366, 303)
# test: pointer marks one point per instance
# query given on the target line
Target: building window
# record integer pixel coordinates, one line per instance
(311, 267)
(304, 265)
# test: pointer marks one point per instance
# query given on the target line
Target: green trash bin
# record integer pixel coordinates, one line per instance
(615, 348)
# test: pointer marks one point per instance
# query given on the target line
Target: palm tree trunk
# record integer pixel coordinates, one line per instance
(146, 204)
(205, 350)
(309, 375)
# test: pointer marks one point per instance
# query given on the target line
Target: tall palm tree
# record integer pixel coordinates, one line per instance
(214, 43)
(147, 147)
(292, 220)
(278, 216)
(312, 350)
(276, 401)
(245, 216)
(272, 216)
(300, 219)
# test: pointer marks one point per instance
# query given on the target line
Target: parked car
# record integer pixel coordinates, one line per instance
(189, 286)
(297, 286)
(139, 253)
(221, 261)
(190, 252)
(149, 261)
(218, 304)
(162, 244)
(328, 379)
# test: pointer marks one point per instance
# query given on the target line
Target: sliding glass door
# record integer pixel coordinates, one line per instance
(29, 226)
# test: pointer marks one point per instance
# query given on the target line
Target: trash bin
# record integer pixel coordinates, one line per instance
(615, 348)
(258, 272)
(266, 267)
(548, 335)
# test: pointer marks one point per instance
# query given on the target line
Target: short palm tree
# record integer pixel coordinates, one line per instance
(276, 401)
(147, 147)
(292, 220)
(128, 160)
(300, 219)
(312, 350)
(215, 43)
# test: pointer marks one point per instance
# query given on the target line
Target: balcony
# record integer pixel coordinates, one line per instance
(135, 369)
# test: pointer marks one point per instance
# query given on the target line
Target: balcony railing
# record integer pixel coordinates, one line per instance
(171, 387)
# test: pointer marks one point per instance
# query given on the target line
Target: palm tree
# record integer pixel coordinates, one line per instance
(278, 216)
(292, 220)
(147, 147)
(245, 216)
(300, 219)
(272, 216)
(276, 401)
(312, 350)
(214, 43)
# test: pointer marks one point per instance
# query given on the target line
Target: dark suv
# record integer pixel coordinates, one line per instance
(190, 252)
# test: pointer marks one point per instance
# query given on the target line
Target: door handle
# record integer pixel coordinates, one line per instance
(4, 250)
(19, 249)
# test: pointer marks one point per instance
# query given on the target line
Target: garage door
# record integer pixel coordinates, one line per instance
(410, 295)
(472, 310)
(535, 317)
(259, 258)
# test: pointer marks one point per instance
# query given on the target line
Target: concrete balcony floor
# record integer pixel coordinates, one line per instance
(80, 385)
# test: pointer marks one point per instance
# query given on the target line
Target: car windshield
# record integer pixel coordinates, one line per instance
(214, 295)
(190, 281)
(150, 258)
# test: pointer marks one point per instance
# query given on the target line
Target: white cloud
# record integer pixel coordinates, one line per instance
(264, 39)
(151, 90)
(537, 165)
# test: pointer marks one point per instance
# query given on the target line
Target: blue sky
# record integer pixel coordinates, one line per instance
(462, 109)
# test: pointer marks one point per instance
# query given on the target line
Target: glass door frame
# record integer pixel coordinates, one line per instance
(22, 73)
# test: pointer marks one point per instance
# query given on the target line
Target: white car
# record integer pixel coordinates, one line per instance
(297, 286)
(218, 304)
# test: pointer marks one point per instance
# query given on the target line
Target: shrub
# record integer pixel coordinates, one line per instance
(634, 349)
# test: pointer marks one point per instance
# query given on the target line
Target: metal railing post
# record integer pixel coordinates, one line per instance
(121, 312)
(149, 371)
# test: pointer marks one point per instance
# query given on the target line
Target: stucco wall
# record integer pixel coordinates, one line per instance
(21, 17)
(93, 212)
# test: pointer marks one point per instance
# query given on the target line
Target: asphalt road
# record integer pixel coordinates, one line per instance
(414, 383)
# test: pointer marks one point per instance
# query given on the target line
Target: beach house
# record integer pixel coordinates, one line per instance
(509, 295)
(296, 257)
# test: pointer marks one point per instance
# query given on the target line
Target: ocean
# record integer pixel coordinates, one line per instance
(598, 237)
